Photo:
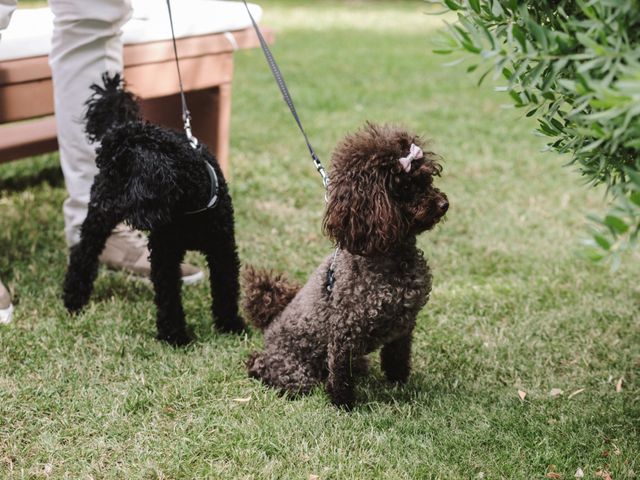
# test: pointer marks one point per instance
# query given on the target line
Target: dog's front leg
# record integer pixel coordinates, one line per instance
(341, 379)
(83, 257)
(166, 278)
(224, 271)
(395, 358)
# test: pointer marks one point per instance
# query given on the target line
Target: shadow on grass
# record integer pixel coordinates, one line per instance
(420, 389)
(51, 175)
(120, 286)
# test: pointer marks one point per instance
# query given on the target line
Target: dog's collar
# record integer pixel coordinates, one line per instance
(213, 197)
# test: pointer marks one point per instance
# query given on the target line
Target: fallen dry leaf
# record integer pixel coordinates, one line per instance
(522, 394)
(619, 384)
(555, 392)
(314, 477)
(243, 400)
(604, 475)
(573, 394)
(579, 473)
(554, 475)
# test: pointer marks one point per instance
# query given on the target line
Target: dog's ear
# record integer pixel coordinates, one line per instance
(360, 216)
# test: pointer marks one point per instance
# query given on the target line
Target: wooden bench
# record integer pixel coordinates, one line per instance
(27, 125)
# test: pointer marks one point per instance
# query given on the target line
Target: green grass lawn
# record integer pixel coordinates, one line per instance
(514, 307)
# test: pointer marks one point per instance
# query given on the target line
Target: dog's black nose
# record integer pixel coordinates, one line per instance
(443, 206)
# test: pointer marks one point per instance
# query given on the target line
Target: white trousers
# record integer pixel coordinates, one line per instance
(86, 42)
(6, 10)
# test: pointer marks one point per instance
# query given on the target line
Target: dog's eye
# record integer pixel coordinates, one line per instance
(401, 188)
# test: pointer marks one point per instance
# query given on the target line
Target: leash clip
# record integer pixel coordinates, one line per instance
(187, 130)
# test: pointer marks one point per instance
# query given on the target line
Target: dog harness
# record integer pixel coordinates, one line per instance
(213, 197)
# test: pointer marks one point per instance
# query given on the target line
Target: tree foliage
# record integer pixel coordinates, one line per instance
(575, 65)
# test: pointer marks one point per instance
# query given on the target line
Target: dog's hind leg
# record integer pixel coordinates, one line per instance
(83, 257)
(224, 271)
(290, 376)
(395, 359)
(167, 282)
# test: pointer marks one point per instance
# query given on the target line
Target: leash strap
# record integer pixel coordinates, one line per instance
(186, 115)
(186, 118)
(287, 97)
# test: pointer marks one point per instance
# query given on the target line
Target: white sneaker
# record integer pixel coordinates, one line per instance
(6, 309)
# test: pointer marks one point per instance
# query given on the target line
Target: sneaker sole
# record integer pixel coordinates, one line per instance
(6, 314)
(187, 280)
(193, 279)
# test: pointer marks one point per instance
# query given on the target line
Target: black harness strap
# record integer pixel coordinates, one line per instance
(213, 196)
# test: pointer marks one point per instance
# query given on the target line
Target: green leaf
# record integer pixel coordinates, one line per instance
(590, 43)
(483, 76)
(635, 198)
(603, 242)
(452, 4)
(616, 224)
(475, 4)
(534, 75)
(518, 32)
(496, 9)
(634, 176)
(593, 254)
(516, 97)
(539, 33)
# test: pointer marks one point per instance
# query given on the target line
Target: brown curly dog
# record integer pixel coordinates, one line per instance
(368, 295)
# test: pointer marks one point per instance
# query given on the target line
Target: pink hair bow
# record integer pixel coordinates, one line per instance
(415, 152)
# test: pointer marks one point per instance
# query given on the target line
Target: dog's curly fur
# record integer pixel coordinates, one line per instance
(149, 177)
(375, 210)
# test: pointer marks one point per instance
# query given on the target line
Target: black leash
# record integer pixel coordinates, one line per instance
(186, 119)
(186, 115)
(330, 280)
(287, 97)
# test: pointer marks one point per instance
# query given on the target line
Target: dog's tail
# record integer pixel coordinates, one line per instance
(109, 105)
(266, 294)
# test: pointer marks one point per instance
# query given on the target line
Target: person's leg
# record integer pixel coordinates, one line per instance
(7, 8)
(86, 43)
(6, 309)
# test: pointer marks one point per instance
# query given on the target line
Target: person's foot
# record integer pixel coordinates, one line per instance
(6, 309)
(126, 250)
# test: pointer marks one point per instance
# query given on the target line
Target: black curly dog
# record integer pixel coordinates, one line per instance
(153, 179)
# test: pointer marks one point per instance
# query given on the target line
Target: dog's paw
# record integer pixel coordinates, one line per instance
(255, 365)
(343, 398)
(74, 304)
(346, 404)
(176, 339)
(235, 325)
